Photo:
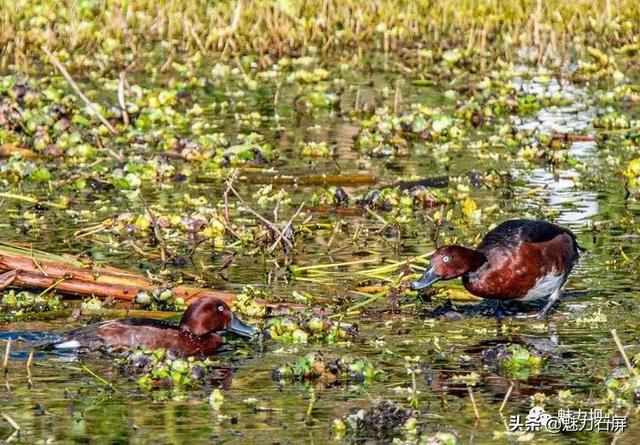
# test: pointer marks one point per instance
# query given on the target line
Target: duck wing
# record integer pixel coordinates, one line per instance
(517, 231)
(116, 334)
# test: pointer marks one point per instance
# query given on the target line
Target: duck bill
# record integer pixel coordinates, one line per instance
(427, 279)
(241, 328)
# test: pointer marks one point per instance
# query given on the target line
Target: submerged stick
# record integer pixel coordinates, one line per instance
(10, 421)
(156, 231)
(506, 397)
(473, 403)
(260, 217)
(313, 180)
(29, 361)
(627, 363)
(5, 362)
(121, 100)
(54, 60)
(280, 237)
(30, 200)
(86, 369)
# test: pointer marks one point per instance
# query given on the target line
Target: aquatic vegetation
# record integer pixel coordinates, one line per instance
(245, 303)
(332, 196)
(383, 420)
(386, 133)
(632, 174)
(614, 120)
(25, 301)
(515, 360)
(322, 371)
(393, 128)
(305, 328)
(159, 370)
(314, 150)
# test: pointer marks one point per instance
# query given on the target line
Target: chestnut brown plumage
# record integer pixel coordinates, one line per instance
(519, 259)
(197, 334)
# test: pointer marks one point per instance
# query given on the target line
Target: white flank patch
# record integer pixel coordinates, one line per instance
(71, 344)
(544, 287)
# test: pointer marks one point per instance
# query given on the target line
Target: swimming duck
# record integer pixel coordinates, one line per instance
(197, 334)
(520, 259)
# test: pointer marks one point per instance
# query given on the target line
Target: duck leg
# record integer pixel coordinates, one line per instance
(500, 311)
(553, 299)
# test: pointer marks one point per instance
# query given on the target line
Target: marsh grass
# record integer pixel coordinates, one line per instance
(121, 31)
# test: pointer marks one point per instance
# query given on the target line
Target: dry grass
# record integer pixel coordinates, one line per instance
(122, 29)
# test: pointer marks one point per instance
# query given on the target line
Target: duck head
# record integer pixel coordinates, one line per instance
(450, 262)
(210, 314)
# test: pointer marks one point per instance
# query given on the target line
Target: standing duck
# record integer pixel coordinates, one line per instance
(520, 259)
(197, 334)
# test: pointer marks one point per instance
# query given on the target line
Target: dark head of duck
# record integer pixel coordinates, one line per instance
(208, 314)
(450, 262)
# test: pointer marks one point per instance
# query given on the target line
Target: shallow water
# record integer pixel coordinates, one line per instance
(65, 403)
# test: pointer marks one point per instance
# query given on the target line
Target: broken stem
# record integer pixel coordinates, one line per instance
(156, 231)
(280, 237)
(259, 216)
(54, 60)
(121, 101)
(5, 362)
(627, 363)
(97, 377)
(473, 403)
(506, 397)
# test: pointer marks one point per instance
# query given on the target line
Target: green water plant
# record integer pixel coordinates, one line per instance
(322, 371)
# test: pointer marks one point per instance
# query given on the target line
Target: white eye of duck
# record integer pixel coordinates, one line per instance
(446, 259)
(221, 308)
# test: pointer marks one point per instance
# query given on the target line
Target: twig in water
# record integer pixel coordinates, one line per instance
(225, 195)
(312, 402)
(371, 298)
(616, 339)
(276, 95)
(259, 216)
(378, 217)
(10, 421)
(280, 237)
(5, 362)
(98, 378)
(506, 397)
(88, 231)
(227, 224)
(54, 60)
(156, 230)
(29, 361)
(336, 227)
(121, 102)
(30, 200)
(473, 403)
(396, 98)
(415, 402)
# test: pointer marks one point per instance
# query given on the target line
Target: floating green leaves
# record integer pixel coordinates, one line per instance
(305, 328)
(319, 370)
(25, 301)
(170, 376)
(516, 360)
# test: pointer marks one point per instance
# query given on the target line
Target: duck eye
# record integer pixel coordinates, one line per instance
(221, 308)
(446, 259)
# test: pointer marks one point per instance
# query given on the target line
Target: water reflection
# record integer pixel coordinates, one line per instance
(575, 206)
